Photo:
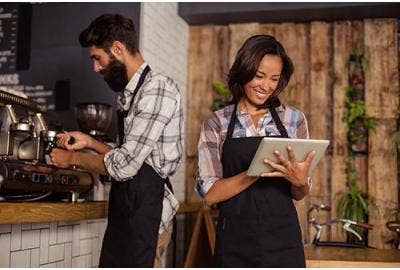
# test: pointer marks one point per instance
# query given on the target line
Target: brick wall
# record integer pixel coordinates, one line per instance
(164, 45)
(55, 244)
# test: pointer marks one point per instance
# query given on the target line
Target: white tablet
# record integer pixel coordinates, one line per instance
(301, 147)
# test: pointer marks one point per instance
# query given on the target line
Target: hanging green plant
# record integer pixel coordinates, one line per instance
(354, 204)
(395, 142)
(222, 95)
(395, 139)
(396, 214)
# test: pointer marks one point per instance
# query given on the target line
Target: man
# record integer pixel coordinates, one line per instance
(141, 203)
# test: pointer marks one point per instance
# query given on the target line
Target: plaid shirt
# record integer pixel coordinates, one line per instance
(215, 128)
(153, 134)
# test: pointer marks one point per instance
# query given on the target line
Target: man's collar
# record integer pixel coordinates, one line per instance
(130, 87)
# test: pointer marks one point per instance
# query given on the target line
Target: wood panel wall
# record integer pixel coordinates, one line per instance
(382, 100)
(320, 52)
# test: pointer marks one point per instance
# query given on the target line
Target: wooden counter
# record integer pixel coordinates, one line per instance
(31, 212)
(351, 257)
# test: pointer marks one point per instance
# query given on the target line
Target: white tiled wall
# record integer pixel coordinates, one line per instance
(164, 45)
(55, 244)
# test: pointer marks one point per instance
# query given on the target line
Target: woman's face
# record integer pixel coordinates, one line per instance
(265, 81)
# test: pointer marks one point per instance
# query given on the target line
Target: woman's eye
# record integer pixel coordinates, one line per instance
(259, 76)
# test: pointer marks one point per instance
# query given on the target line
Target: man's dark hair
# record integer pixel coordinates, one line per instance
(106, 29)
(248, 60)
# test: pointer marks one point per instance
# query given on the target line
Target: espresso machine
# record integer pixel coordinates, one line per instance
(26, 172)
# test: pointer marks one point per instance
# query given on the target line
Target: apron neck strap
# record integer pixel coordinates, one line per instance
(232, 123)
(122, 114)
(278, 123)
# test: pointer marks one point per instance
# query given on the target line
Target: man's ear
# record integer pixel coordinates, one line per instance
(117, 49)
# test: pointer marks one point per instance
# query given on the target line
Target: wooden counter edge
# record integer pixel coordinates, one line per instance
(32, 212)
(351, 257)
(352, 264)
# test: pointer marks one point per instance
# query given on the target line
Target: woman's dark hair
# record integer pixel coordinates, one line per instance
(106, 29)
(247, 62)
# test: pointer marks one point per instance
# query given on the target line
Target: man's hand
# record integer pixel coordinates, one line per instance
(74, 140)
(62, 158)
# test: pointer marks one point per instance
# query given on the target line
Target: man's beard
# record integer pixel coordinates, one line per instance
(115, 75)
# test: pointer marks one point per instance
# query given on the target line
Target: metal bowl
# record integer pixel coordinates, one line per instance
(94, 118)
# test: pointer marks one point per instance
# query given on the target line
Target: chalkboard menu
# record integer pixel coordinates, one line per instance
(8, 37)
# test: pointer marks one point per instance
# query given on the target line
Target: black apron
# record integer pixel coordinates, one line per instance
(134, 212)
(259, 226)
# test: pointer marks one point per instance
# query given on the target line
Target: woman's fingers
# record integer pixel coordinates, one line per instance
(274, 165)
(291, 155)
(279, 156)
(310, 157)
(281, 159)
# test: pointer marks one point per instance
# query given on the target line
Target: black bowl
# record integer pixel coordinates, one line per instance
(94, 118)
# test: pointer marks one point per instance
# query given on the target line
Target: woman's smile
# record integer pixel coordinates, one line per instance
(262, 94)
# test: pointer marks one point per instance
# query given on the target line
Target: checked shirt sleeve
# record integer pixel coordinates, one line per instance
(155, 108)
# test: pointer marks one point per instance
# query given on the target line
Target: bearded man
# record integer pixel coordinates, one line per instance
(150, 120)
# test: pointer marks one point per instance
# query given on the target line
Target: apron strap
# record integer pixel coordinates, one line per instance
(122, 114)
(232, 123)
(168, 183)
(278, 123)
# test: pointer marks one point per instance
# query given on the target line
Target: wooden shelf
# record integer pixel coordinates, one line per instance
(351, 257)
(31, 212)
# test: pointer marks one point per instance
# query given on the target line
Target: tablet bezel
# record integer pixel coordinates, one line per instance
(301, 148)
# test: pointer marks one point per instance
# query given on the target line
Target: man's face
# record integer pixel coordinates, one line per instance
(114, 72)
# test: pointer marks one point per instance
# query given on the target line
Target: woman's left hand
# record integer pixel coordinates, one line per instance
(294, 171)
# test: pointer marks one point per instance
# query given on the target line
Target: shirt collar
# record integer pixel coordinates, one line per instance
(240, 111)
(130, 87)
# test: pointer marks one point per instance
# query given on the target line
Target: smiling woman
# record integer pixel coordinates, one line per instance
(257, 223)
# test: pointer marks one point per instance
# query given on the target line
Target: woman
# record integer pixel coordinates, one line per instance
(257, 224)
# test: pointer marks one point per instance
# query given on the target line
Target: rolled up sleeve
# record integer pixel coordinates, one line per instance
(210, 167)
(154, 111)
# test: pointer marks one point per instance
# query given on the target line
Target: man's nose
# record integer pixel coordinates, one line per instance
(97, 67)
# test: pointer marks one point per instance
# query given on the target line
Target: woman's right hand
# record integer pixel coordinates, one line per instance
(74, 140)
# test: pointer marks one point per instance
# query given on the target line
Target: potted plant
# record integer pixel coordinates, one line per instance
(355, 205)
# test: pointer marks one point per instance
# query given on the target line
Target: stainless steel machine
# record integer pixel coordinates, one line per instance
(26, 172)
